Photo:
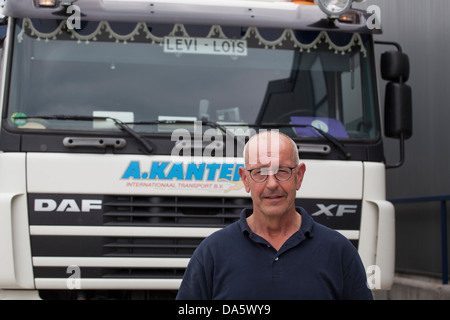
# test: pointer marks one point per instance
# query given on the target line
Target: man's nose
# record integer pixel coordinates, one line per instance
(271, 181)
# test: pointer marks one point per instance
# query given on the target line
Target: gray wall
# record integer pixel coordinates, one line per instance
(423, 30)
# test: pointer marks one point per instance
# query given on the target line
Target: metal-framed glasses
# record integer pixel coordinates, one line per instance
(260, 174)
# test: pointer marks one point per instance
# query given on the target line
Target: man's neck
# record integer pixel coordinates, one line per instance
(276, 230)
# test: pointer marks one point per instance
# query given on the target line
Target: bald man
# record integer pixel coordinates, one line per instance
(276, 250)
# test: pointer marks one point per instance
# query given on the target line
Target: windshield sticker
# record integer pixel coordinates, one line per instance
(205, 46)
(19, 118)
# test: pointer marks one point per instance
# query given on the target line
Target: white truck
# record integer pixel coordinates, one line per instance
(123, 124)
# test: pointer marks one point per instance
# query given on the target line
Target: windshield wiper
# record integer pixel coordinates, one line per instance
(324, 134)
(211, 124)
(123, 126)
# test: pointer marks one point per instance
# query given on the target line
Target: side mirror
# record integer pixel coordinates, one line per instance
(395, 66)
(398, 121)
(398, 111)
(398, 98)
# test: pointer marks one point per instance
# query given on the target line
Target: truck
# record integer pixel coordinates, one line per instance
(123, 125)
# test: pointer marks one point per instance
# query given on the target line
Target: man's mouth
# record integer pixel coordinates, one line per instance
(273, 197)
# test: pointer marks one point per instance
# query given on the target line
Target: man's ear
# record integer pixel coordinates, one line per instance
(244, 178)
(301, 168)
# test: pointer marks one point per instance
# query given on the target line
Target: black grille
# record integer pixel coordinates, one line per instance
(132, 211)
(150, 247)
(130, 273)
(172, 211)
(117, 273)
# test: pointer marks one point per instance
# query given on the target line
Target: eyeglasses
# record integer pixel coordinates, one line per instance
(260, 174)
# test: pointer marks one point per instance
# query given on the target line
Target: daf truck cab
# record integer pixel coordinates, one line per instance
(123, 124)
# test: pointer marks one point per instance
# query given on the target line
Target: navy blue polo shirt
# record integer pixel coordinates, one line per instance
(234, 263)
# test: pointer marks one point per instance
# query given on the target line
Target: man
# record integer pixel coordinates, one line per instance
(275, 250)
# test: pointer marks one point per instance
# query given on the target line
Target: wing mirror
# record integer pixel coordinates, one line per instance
(398, 98)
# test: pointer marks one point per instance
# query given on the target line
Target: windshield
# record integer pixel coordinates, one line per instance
(229, 75)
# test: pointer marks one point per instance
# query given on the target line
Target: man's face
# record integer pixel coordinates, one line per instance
(272, 197)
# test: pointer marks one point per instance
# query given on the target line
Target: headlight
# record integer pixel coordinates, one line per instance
(334, 8)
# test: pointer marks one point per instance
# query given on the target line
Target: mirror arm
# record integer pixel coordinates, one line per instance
(402, 155)
(390, 43)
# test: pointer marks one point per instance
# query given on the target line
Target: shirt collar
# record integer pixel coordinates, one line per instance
(306, 227)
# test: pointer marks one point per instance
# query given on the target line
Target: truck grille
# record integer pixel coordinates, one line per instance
(132, 213)
(170, 211)
(150, 247)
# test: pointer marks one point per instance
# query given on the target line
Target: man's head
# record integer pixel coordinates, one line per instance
(272, 173)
